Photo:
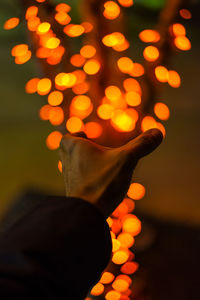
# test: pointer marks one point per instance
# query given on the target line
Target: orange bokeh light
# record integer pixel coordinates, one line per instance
(120, 257)
(93, 130)
(133, 98)
(43, 28)
(81, 88)
(124, 120)
(55, 98)
(52, 43)
(125, 64)
(74, 124)
(44, 112)
(44, 86)
(31, 12)
(19, 60)
(63, 7)
(97, 290)
(77, 60)
(136, 191)
(182, 43)
(56, 116)
(161, 73)
(129, 268)
(31, 86)
(137, 71)
(178, 29)
(131, 84)
(111, 10)
(126, 3)
(62, 18)
(113, 39)
(33, 23)
(105, 111)
(126, 240)
(11, 23)
(161, 110)
(113, 295)
(91, 67)
(60, 168)
(174, 79)
(19, 50)
(73, 30)
(113, 93)
(88, 51)
(115, 245)
(53, 140)
(151, 53)
(148, 122)
(107, 278)
(149, 36)
(131, 224)
(185, 14)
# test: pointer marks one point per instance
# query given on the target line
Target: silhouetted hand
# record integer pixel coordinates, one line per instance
(102, 175)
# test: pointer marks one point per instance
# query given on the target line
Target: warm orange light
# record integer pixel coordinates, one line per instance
(123, 120)
(52, 43)
(122, 47)
(113, 39)
(81, 102)
(126, 3)
(130, 204)
(31, 85)
(44, 112)
(121, 283)
(131, 84)
(120, 257)
(113, 93)
(33, 23)
(97, 290)
(111, 10)
(93, 130)
(43, 28)
(87, 26)
(161, 127)
(161, 73)
(74, 30)
(91, 67)
(148, 122)
(40, 1)
(11, 23)
(77, 60)
(174, 79)
(178, 29)
(105, 111)
(19, 50)
(115, 245)
(125, 64)
(80, 76)
(182, 43)
(60, 168)
(129, 268)
(56, 116)
(131, 224)
(113, 295)
(88, 51)
(74, 124)
(81, 88)
(107, 278)
(63, 7)
(44, 86)
(149, 36)
(136, 191)
(133, 98)
(53, 140)
(65, 80)
(43, 52)
(151, 53)
(185, 14)
(126, 240)
(31, 12)
(137, 71)
(19, 60)
(55, 98)
(116, 226)
(161, 110)
(55, 55)
(62, 18)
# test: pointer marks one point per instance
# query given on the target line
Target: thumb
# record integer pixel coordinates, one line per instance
(145, 143)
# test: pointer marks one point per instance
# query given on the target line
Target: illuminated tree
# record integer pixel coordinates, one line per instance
(92, 85)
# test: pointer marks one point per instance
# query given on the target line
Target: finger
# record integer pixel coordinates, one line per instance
(146, 143)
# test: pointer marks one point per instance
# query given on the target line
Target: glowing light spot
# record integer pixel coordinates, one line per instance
(62, 18)
(33, 23)
(126, 3)
(122, 47)
(130, 204)
(81, 102)
(121, 283)
(112, 295)
(161, 110)
(111, 10)
(125, 64)
(43, 52)
(185, 14)
(174, 79)
(31, 86)
(137, 71)
(151, 53)
(44, 86)
(40, 1)
(129, 268)
(81, 88)
(87, 26)
(11, 23)
(107, 278)
(88, 51)
(63, 7)
(115, 245)
(65, 80)
(97, 290)
(31, 12)
(136, 191)
(91, 67)
(116, 226)
(161, 73)
(56, 116)
(178, 29)
(19, 60)
(74, 124)
(161, 128)
(113, 93)
(120, 257)
(19, 50)
(53, 140)
(43, 28)
(74, 30)
(44, 112)
(133, 98)
(113, 39)
(120, 211)
(77, 60)
(60, 166)
(149, 36)
(55, 98)
(123, 121)
(131, 84)
(182, 43)
(93, 130)
(52, 43)
(148, 123)
(126, 240)
(105, 111)
(80, 76)
(131, 224)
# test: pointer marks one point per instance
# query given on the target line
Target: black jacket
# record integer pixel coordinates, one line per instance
(56, 251)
